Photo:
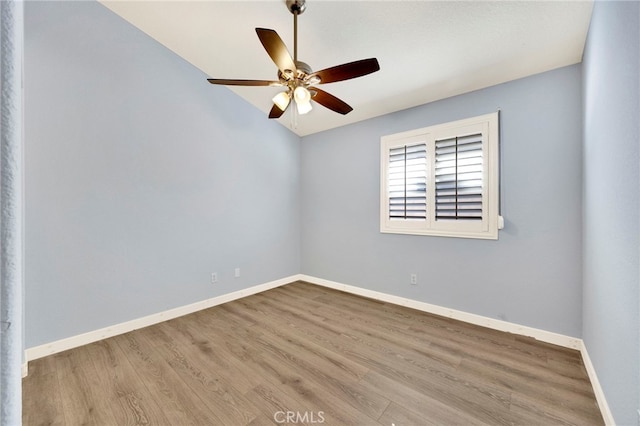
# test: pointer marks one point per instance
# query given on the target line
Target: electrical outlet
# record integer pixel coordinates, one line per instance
(237, 273)
(413, 279)
(214, 277)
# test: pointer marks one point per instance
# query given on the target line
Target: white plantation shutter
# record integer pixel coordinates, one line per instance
(407, 182)
(459, 177)
(442, 180)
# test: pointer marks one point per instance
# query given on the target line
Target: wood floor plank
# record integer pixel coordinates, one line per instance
(121, 388)
(347, 389)
(431, 410)
(359, 317)
(311, 352)
(190, 331)
(40, 393)
(81, 396)
(553, 412)
(396, 414)
(443, 384)
(383, 343)
(170, 391)
(278, 369)
(528, 381)
(331, 361)
(220, 396)
(262, 421)
(270, 399)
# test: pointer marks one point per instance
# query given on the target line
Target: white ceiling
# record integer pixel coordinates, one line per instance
(427, 50)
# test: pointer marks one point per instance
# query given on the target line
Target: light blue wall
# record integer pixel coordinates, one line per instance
(611, 74)
(141, 178)
(532, 275)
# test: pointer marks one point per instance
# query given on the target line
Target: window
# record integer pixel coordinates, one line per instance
(442, 180)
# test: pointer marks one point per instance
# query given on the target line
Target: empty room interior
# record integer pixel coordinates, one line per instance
(186, 259)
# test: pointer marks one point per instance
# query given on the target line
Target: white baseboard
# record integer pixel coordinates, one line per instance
(114, 330)
(125, 327)
(543, 335)
(607, 415)
(25, 369)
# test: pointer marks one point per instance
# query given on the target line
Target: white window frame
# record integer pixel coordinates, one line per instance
(487, 227)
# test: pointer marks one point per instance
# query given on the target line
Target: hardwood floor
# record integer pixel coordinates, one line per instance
(302, 354)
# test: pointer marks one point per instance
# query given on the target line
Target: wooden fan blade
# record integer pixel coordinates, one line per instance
(347, 71)
(276, 112)
(243, 82)
(277, 50)
(328, 100)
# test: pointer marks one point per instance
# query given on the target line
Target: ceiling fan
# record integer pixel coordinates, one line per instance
(297, 77)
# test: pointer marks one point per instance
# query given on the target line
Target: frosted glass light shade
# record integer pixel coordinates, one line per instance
(281, 100)
(303, 99)
(301, 94)
(304, 107)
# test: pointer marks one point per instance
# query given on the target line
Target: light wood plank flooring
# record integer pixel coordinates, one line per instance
(303, 354)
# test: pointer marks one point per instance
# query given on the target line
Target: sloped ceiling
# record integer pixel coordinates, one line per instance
(427, 50)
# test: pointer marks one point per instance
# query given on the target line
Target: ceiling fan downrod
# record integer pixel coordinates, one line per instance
(296, 7)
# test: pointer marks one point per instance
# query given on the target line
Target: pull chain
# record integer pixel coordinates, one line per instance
(294, 117)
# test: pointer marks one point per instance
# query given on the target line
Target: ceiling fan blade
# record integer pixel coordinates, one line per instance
(328, 100)
(243, 82)
(347, 71)
(277, 50)
(276, 112)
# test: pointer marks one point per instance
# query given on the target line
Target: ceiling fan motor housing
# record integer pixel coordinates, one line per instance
(303, 70)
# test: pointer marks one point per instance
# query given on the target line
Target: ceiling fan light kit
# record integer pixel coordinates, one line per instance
(297, 77)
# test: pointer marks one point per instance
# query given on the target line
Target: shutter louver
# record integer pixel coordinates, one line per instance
(407, 182)
(458, 173)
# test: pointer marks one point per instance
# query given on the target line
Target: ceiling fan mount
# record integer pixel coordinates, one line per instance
(297, 77)
(296, 6)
